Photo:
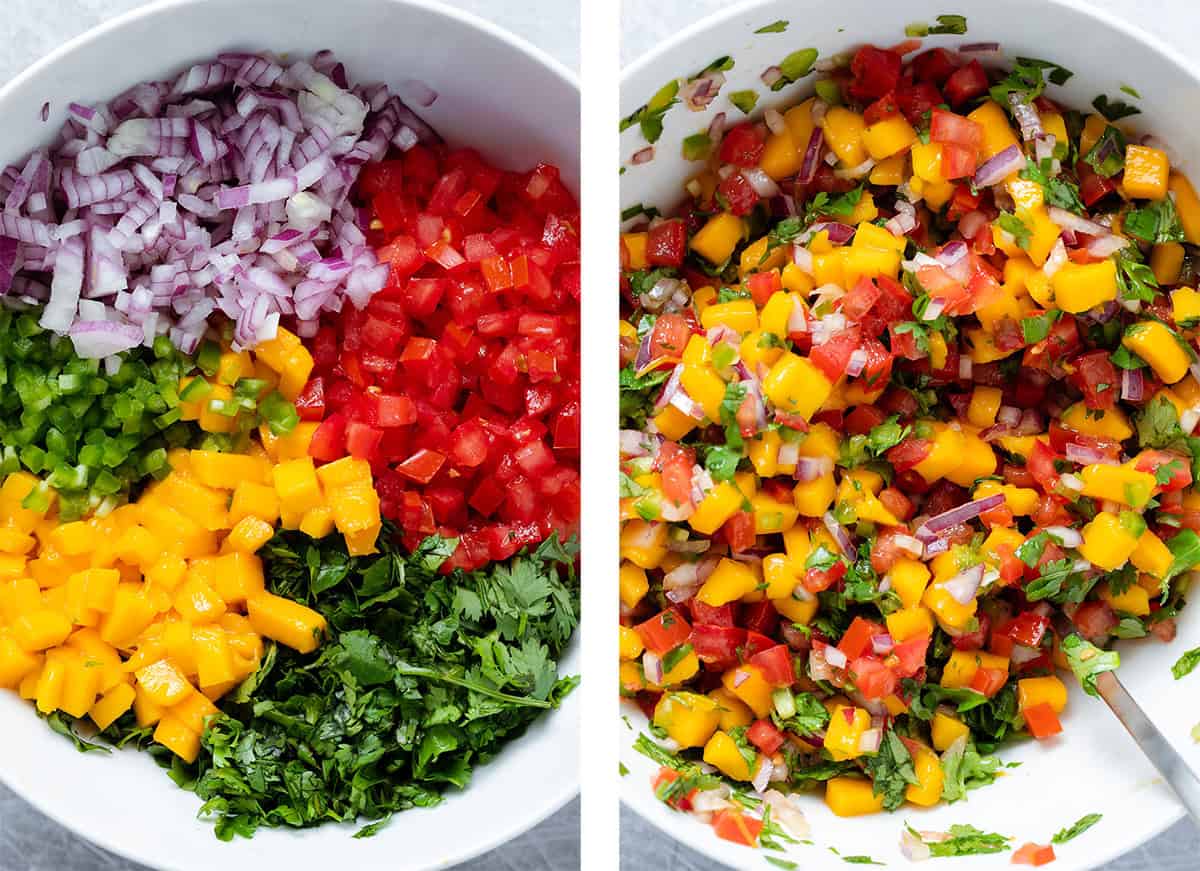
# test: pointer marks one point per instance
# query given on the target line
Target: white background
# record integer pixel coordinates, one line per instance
(32, 28)
(645, 23)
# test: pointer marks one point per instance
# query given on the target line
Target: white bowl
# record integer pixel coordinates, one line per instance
(1094, 766)
(485, 78)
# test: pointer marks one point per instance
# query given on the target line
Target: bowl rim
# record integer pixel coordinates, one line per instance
(636, 68)
(570, 789)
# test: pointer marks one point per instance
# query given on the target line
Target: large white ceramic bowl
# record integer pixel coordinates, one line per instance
(498, 94)
(1093, 766)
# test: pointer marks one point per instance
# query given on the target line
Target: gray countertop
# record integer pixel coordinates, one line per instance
(32, 28)
(644, 25)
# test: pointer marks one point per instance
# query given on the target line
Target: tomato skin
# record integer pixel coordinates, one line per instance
(721, 615)
(310, 404)
(1040, 464)
(915, 100)
(815, 580)
(760, 618)
(883, 108)
(1027, 628)
(895, 501)
(858, 302)
(910, 655)
(909, 453)
(738, 193)
(742, 146)
(1094, 619)
(863, 419)
(1096, 377)
(831, 357)
(776, 665)
(935, 65)
(989, 681)
(738, 531)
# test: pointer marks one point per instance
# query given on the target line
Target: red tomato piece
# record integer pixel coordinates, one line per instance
(1042, 721)
(951, 129)
(764, 735)
(776, 665)
(663, 632)
(737, 827)
(857, 639)
(872, 678)
(1034, 854)
(742, 146)
(966, 83)
(666, 243)
(876, 72)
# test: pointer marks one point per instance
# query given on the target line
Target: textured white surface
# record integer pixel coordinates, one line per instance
(644, 25)
(32, 28)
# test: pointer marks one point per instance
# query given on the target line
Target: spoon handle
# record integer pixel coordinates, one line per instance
(1157, 748)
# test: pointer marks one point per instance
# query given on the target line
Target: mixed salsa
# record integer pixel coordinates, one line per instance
(908, 392)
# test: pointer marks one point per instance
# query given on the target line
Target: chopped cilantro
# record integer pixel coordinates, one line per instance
(1058, 191)
(774, 27)
(650, 116)
(1107, 156)
(1036, 327)
(1114, 110)
(721, 462)
(966, 840)
(786, 864)
(946, 24)
(1077, 828)
(1015, 227)
(1186, 663)
(1088, 661)
(860, 860)
(735, 393)
(965, 768)
(1157, 222)
(1058, 74)
(891, 770)
(638, 209)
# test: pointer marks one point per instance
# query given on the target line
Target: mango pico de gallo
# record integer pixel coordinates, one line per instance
(908, 392)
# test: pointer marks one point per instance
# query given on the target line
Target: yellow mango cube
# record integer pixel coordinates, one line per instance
(1079, 287)
(1158, 346)
(1146, 171)
(285, 621)
(716, 240)
(689, 718)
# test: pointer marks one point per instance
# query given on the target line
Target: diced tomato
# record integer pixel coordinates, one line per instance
(1027, 628)
(718, 646)
(676, 466)
(1094, 619)
(951, 129)
(966, 83)
(1093, 187)
(910, 655)
(896, 502)
(883, 108)
(735, 826)
(957, 162)
(662, 781)
(989, 681)
(1034, 854)
(1096, 377)
(762, 285)
(876, 72)
(859, 301)
(872, 678)
(1176, 468)
(755, 643)
(712, 615)
(863, 419)
(329, 441)
(742, 146)
(738, 193)
(915, 100)
(764, 735)
(421, 466)
(666, 243)
(1042, 721)
(815, 580)
(974, 639)
(760, 618)
(832, 356)
(362, 440)
(664, 631)
(738, 531)
(1040, 463)
(857, 639)
(909, 453)
(776, 665)
(935, 65)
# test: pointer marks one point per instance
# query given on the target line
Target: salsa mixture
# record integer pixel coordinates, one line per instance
(289, 441)
(908, 390)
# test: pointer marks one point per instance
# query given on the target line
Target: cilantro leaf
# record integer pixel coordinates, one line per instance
(794, 67)
(1015, 227)
(1107, 156)
(1156, 222)
(774, 27)
(1088, 661)
(966, 840)
(948, 24)
(1186, 663)
(1114, 110)
(965, 768)
(1077, 828)
(891, 770)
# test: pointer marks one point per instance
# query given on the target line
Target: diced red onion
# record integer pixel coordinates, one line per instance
(653, 668)
(716, 128)
(903, 222)
(1056, 258)
(762, 183)
(1043, 148)
(681, 583)
(839, 534)
(856, 363)
(963, 586)
(934, 309)
(910, 545)
(762, 777)
(870, 740)
(786, 813)
(1105, 246)
(771, 75)
(812, 468)
(835, 657)
(932, 528)
(798, 319)
(978, 47)
(882, 644)
(971, 223)
(1083, 454)
(1031, 423)
(419, 92)
(952, 253)
(1026, 116)
(699, 93)
(1132, 385)
(710, 800)
(802, 257)
(855, 172)
(774, 121)
(644, 155)
(1189, 419)
(966, 366)
(1008, 414)
(1077, 223)
(912, 847)
(1071, 482)
(789, 453)
(999, 167)
(1065, 535)
(838, 233)
(1022, 654)
(812, 157)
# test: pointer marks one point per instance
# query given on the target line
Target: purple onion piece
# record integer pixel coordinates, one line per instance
(932, 528)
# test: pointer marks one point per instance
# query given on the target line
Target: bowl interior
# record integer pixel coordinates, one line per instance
(484, 79)
(1094, 765)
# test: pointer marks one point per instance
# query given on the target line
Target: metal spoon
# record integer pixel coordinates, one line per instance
(1177, 773)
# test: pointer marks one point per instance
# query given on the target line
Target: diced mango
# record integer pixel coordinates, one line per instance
(852, 797)
(1049, 690)
(1160, 347)
(716, 240)
(285, 621)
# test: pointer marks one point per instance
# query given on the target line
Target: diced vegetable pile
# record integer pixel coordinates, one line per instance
(909, 387)
(197, 553)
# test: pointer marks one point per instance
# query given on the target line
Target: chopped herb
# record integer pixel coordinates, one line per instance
(721, 462)
(1157, 222)
(622, 768)
(1131, 91)
(1077, 828)
(1088, 661)
(860, 860)
(1186, 663)
(1058, 191)
(1058, 75)
(774, 27)
(1114, 110)
(1015, 227)
(1135, 279)
(1107, 156)
(636, 210)
(966, 840)
(650, 116)
(891, 770)
(946, 24)
(786, 864)
(1036, 327)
